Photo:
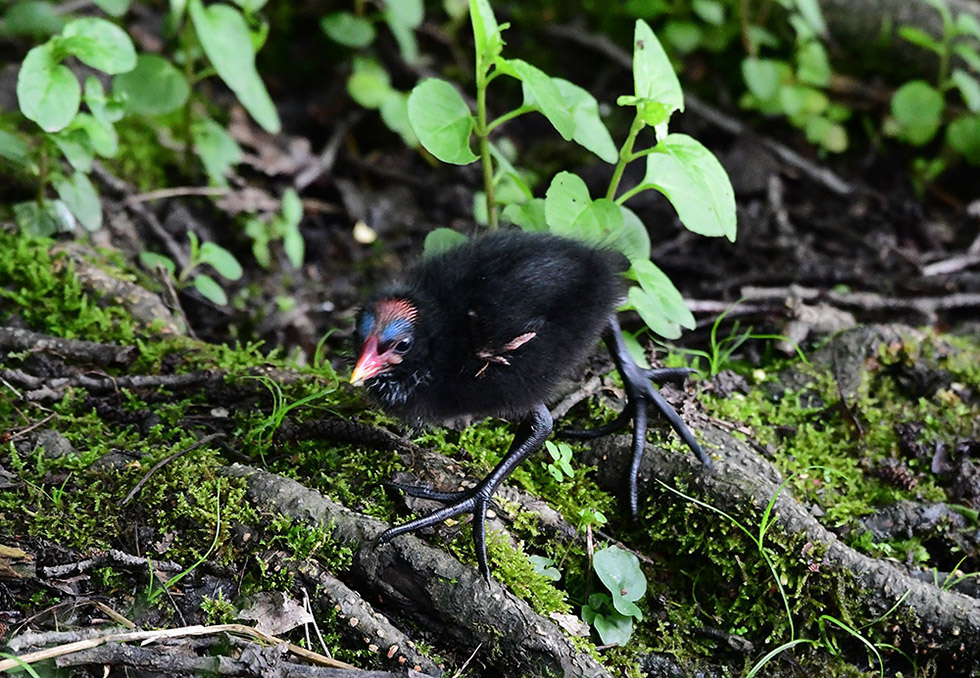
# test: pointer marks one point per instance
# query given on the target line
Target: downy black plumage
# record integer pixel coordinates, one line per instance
(489, 328)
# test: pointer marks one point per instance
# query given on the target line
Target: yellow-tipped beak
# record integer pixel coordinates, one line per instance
(369, 364)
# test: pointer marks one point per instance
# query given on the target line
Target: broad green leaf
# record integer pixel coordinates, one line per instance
(294, 246)
(441, 240)
(114, 8)
(47, 92)
(967, 24)
(101, 44)
(813, 67)
(216, 149)
(565, 201)
(102, 136)
(764, 77)
(545, 567)
(80, 196)
(223, 261)
(810, 11)
(225, 38)
(696, 184)
(542, 92)
(210, 289)
(620, 571)
(590, 131)
(653, 75)
(963, 135)
(33, 18)
(394, 113)
(76, 145)
(251, 6)
(918, 108)
(968, 54)
(633, 239)
(369, 83)
(969, 89)
(153, 87)
(152, 260)
(407, 12)
(45, 219)
(14, 149)
(830, 135)
(528, 215)
(601, 222)
(442, 121)
(347, 29)
(651, 312)
(710, 11)
(665, 299)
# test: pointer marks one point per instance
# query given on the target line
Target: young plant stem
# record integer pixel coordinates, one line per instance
(483, 134)
(625, 157)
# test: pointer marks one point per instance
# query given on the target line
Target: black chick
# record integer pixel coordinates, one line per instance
(489, 328)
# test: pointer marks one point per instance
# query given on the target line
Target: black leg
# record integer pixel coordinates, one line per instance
(640, 393)
(531, 434)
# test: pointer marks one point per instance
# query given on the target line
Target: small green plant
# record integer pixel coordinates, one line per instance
(217, 610)
(216, 256)
(919, 109)
(612, 613)
(560, 466)
(794, 89)
(678, 166)
(279, 227)
(261, 431)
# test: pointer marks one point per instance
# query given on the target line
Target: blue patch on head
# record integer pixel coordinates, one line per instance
(396, 328)
(367, 322)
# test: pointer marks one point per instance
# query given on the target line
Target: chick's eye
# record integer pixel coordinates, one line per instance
(403, 345)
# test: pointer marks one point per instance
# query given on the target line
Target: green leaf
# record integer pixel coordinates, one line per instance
(810, 11)
(565, 201)
(620, 571)
(404, 34)
(34, 19)
(102, 137)
(442, 121)
(969, 89)
(633, 239)
(918, 108)
(764, 77)
(407, 12)
(486, 33)
(963, 135)
(210, 289)
(101, 44)
(828, 134)
(47, 92)
(613, 629)
(114, 8)
(13, 148)
(43, 220)
(545, 567)
(152, 260)
(394, 113)
(80, 197)
(710, 11)
(369, 83)
(967, 24)
(968, 54)
(658, 302)
(107, 110)
(292, 208)
(920, 38)
(216, 148)
(76, 145)
(813, 67)
(153, 87)
(653, 75)
(542, 92)
(696, 184)
(347, 29)
(224, 36)
(590, 132)
(294, 247)
(530, 216)
(441, 240)
(223, 261)
(683, 36)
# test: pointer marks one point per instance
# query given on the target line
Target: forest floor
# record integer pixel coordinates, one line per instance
(168, 464)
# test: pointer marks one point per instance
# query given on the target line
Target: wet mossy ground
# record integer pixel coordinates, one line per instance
(708, 580)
